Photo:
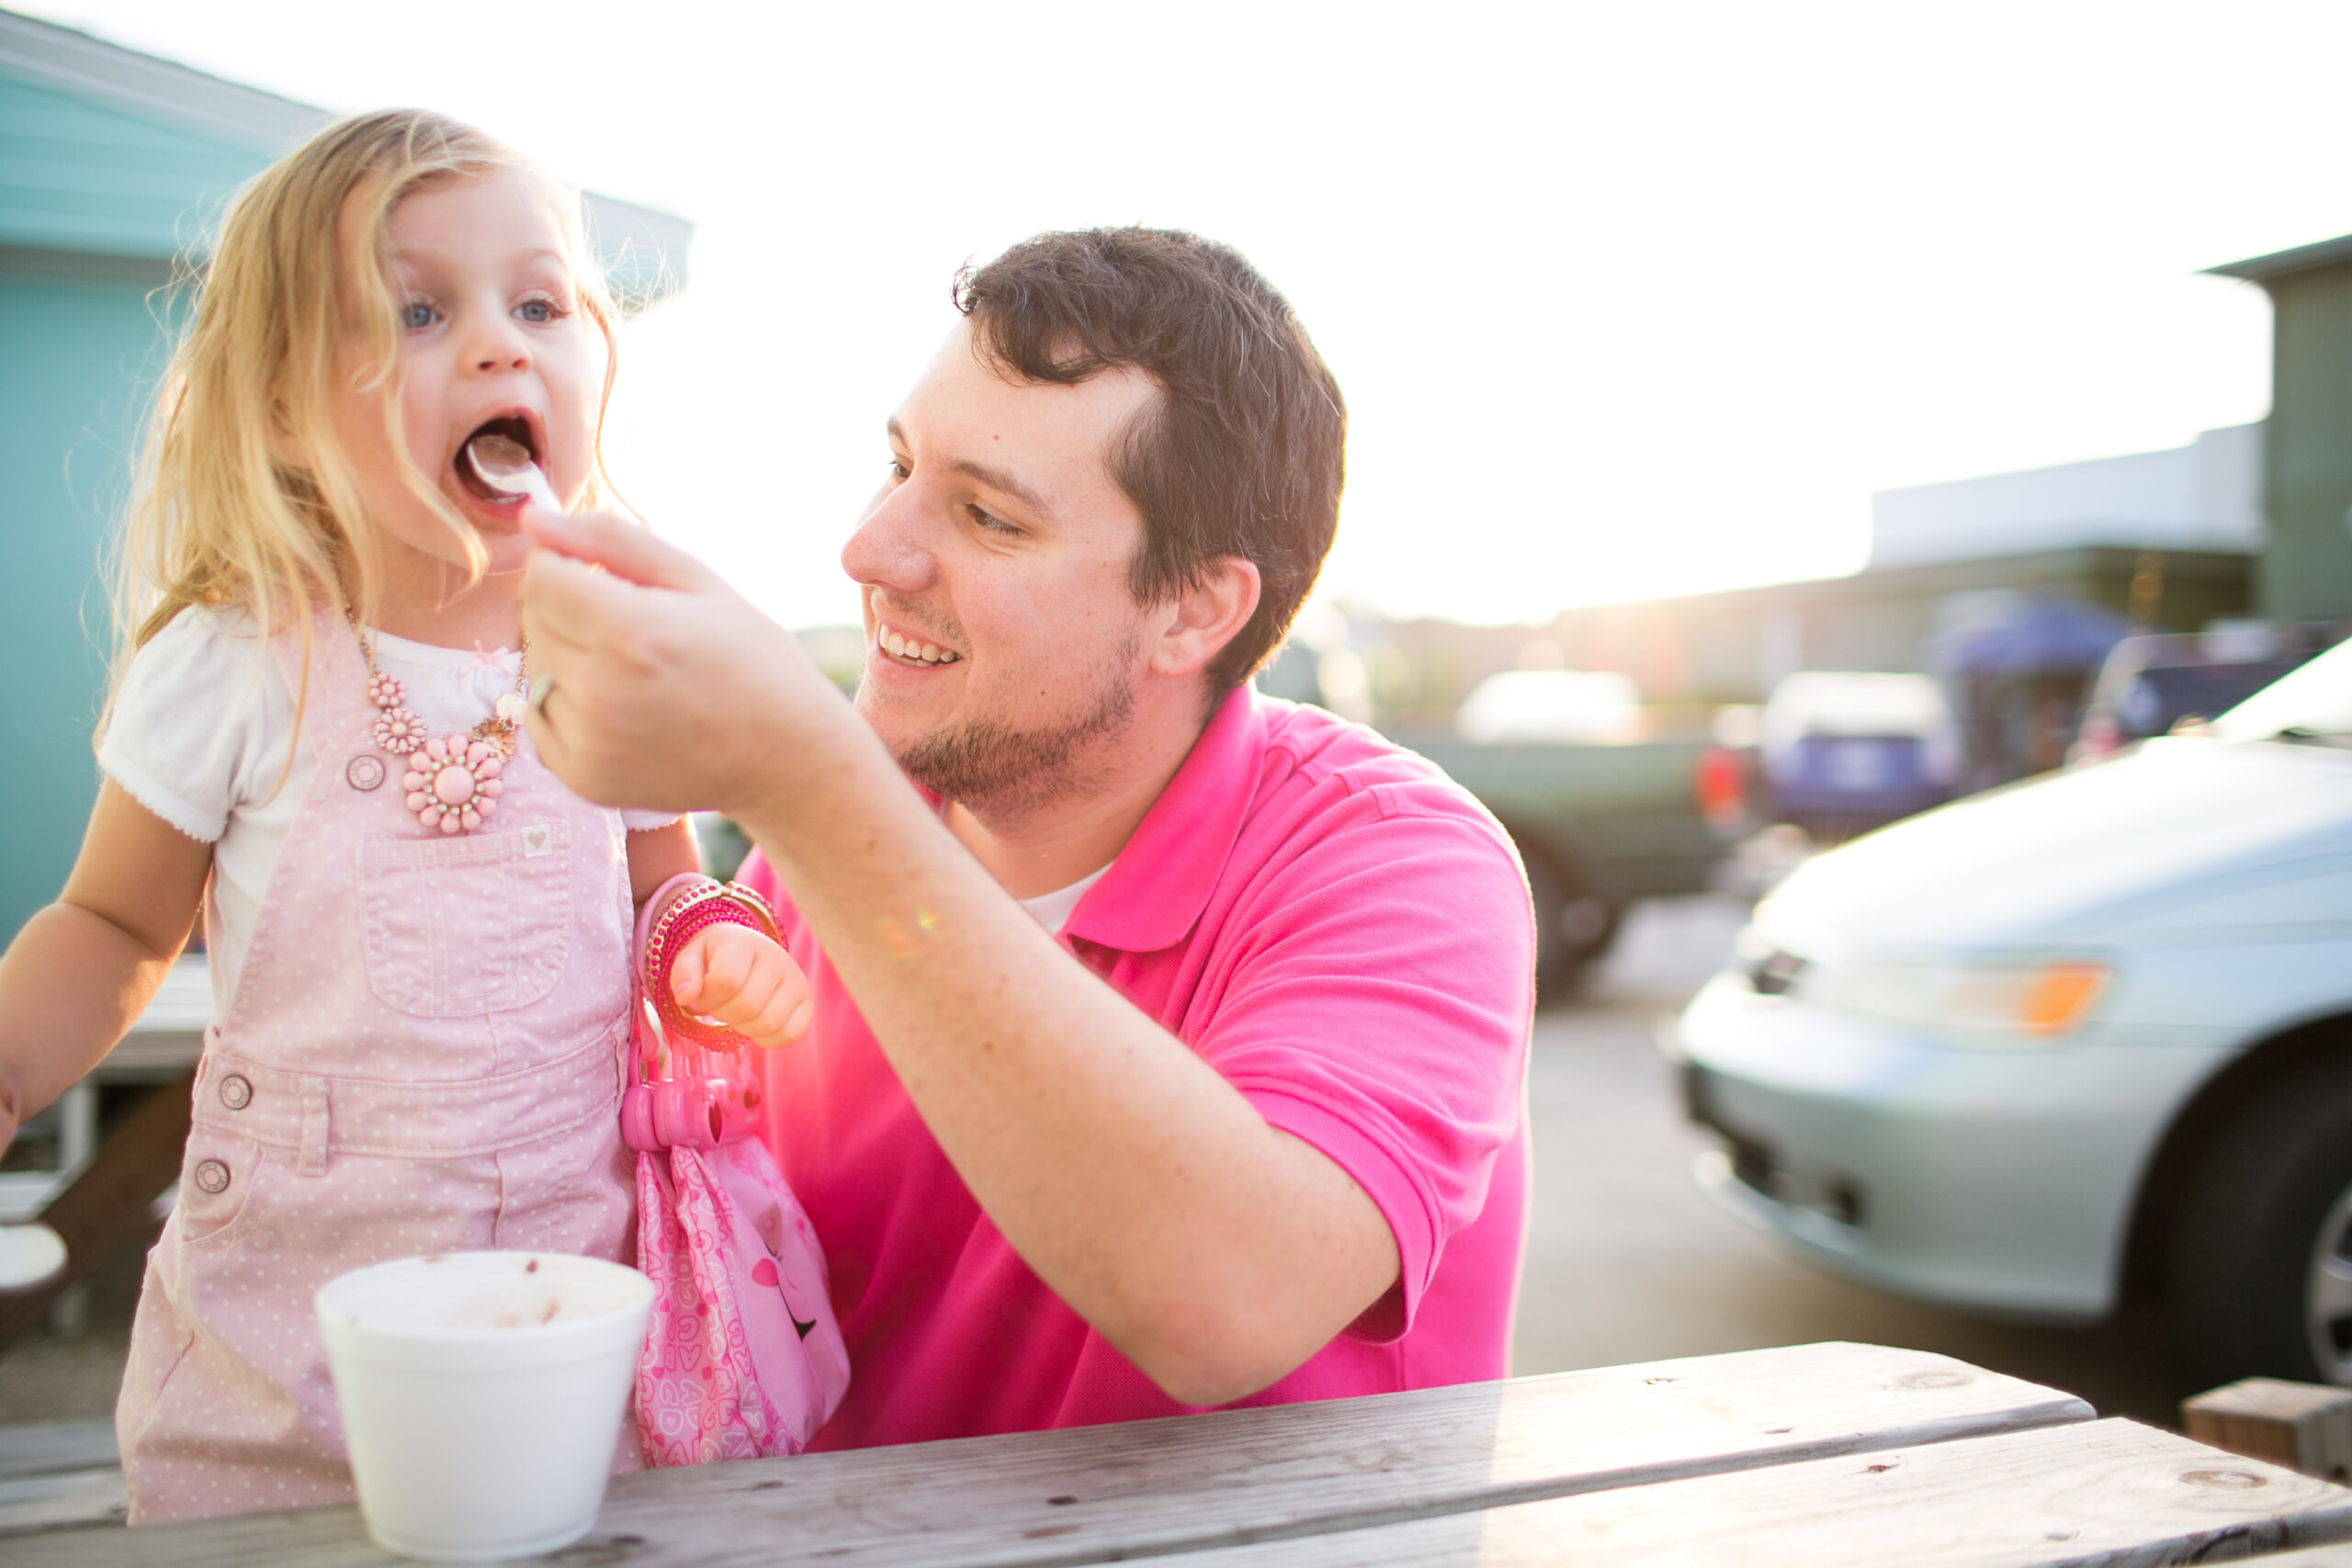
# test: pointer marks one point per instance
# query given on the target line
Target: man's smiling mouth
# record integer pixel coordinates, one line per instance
(911, 651)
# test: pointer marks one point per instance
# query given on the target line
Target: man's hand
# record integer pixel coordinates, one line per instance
(735, 975)
(663, 688)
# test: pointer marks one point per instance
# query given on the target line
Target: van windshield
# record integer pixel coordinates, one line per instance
(2315, 701)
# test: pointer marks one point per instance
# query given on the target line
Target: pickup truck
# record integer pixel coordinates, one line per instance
(1600, 824)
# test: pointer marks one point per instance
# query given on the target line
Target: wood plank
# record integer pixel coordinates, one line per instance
(2111, 1493)
(1095, 1493)
(2303, 1426)
(44, 1448)
(80, 1497)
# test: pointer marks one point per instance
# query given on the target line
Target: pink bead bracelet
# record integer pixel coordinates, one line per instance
(706, 903)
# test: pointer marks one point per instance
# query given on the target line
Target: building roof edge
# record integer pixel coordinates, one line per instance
(2280, 263)
(122, 76)
(644, 248)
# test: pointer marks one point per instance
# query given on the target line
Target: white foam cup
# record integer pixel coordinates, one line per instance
(482, 1395)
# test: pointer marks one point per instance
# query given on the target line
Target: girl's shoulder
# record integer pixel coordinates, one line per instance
(208, 627)
(201, 707)
(211, 656)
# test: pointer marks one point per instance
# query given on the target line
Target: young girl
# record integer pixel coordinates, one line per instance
(418, 940)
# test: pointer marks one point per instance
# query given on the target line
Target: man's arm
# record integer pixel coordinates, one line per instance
(1214, 1252)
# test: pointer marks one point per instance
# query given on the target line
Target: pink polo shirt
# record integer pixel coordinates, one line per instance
(1340, 931)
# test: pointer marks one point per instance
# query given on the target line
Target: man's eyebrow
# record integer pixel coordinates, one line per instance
(995, 479)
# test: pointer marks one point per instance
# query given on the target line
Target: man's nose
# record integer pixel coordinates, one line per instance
(889, 547)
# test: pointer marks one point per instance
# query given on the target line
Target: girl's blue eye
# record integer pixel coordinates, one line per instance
(416, 316)
(538, 312)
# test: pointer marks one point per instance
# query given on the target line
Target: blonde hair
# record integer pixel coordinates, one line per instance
(248, 496)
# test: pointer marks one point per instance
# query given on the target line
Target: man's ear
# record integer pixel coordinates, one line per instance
(1204, 617)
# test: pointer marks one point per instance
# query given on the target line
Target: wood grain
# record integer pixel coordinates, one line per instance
(78, 1497)
(2305, 1427)
(44, 1448)
(2110, 1493)
(59, 1472)
(1093, 1494)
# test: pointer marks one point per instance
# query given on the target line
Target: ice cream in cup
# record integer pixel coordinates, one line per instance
(482, 1394)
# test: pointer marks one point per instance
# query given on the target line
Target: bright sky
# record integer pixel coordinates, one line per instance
(1625, 300)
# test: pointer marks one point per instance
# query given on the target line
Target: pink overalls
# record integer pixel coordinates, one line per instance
(423, 1053)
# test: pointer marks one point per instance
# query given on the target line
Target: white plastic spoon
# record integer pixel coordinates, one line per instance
(505, 465)
(28, 1254)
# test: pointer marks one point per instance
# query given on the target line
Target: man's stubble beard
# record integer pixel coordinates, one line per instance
(1002, 774)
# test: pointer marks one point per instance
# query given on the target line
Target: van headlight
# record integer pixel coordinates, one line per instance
(2026, 1002)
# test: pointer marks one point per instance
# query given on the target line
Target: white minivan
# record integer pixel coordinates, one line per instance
(2079, 1039)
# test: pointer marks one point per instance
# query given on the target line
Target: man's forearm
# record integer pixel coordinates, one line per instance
(1212, 1250)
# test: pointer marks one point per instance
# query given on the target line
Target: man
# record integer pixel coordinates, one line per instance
(1232, 1112)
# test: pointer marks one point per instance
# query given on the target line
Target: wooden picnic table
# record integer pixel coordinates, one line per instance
(1819, 1454)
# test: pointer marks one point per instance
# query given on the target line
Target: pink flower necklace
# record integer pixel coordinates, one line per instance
(452, 782)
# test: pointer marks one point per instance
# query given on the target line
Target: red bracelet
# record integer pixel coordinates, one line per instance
(711, 903)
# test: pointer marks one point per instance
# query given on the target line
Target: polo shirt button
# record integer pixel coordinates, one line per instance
(236, 1093)
(212, 1175)
(364, 772)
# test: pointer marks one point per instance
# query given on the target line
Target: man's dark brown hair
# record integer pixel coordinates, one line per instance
(1241, 455)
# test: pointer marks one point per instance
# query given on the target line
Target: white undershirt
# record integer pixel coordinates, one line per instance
(200, 736)
(1054, 909)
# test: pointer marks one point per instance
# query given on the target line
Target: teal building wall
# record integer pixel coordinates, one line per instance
(95, 202)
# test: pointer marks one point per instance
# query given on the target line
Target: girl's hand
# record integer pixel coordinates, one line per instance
(737, 977)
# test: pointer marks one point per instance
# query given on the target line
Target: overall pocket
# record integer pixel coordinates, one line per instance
(471, 924)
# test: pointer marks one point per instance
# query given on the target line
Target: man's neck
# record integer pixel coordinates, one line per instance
(1050, 846)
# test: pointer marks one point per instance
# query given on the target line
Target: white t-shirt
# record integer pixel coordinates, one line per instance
(200, 736)
(1054, 909)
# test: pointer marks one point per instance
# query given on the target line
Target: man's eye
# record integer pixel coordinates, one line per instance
(415, 316)
(990, 521)
(898, 471)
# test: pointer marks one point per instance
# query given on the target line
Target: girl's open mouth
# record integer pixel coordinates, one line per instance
(509, 428)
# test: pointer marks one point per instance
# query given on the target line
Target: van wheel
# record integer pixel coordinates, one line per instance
(2259, 1277)
(1574, 927)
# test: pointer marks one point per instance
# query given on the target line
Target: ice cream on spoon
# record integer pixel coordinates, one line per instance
(505, 465)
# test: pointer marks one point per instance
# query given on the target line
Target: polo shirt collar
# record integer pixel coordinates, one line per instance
(1156, 889)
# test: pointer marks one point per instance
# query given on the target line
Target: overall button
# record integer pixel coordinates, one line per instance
(212, 1175)
(236, 1093)
(364, 772)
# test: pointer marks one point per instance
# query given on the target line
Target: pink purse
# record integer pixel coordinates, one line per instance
(743, 1358)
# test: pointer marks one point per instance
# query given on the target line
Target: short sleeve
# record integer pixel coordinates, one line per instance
(190, 730)
(1380, 1016)
(647, 821)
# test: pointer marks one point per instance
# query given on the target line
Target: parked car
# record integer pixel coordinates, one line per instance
(2157, 682)
(1845, 752)
(2083, 1039)
(1603, 812)
(1573, 705)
